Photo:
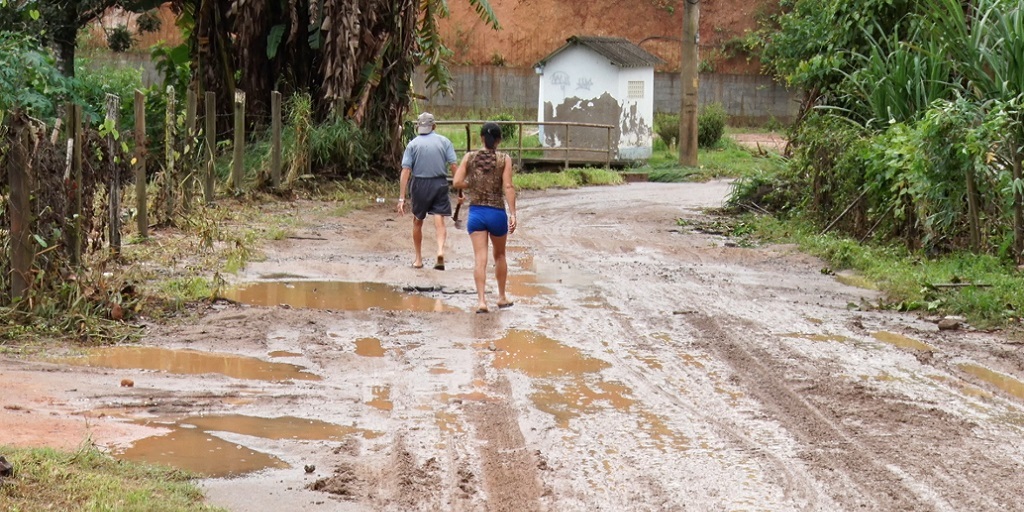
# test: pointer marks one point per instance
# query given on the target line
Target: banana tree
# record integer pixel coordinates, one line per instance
(355, 57)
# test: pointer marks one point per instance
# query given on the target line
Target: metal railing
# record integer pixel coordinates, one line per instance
(565, 148)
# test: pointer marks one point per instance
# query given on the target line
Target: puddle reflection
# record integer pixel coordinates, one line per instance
(369, 347)
(572, 387)
(342, 296)
(1004, 382)
(902, 341)
(816, 337)
(381, 398)
(539, 356)
(190, 445)
(191, 362)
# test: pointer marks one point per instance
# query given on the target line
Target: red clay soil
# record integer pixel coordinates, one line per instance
(531, 29)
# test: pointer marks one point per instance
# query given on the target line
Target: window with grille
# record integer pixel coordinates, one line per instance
(635, 89)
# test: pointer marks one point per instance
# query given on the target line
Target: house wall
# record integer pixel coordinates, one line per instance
(636, 116)
(579, 86)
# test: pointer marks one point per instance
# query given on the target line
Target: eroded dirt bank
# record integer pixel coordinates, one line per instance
(643, 367)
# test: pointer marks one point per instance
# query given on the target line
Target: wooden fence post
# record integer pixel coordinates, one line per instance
(19, 172)
(275, 123)
(141, 215)
(211, 145)
(170, 179)
(77, 163)
(190, 142)
(567, 147)
(114, 193)
(237, 167)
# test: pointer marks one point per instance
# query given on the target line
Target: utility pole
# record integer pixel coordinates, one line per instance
(689, 81)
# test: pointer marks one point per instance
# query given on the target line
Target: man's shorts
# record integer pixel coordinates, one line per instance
(430, 195)
(487, 218)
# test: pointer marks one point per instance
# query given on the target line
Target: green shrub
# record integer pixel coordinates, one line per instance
(341, 145)
(508, 131)
(710, 124)
(666, 125)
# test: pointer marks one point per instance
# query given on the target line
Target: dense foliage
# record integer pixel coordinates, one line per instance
(915, 121)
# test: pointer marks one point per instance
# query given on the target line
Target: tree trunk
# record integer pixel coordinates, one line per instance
(65, 38)
(215, 69)
(257, 78)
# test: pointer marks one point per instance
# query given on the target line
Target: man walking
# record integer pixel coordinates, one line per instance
(425, 166)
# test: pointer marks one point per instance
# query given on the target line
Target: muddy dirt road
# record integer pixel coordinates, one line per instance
(643, 367)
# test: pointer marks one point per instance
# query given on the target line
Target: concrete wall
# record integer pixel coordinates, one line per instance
(748, 99)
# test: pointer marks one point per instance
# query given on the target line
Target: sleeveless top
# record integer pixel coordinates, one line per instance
(483, 173)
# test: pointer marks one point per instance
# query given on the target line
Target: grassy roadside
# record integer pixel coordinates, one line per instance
(987, 292)
(727, 159)
(46, 479)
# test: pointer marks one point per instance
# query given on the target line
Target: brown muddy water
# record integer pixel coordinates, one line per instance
(335, 295)
(191, 445)
(190, 362)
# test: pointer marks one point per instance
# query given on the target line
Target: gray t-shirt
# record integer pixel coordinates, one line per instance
(429, 156)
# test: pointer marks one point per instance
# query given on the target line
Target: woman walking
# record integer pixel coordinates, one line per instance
(487, 177)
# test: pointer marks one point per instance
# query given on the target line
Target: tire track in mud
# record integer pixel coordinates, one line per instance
(859, 476)
(510, 475)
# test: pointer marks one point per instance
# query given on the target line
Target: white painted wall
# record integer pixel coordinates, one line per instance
(576, 72)
(636, 145)
(582, 73)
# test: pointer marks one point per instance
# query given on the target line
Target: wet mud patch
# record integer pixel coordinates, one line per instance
(344, 483)
(873, 450)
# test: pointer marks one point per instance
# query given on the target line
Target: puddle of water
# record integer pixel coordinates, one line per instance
(856, 281)
(191, 362)
(816, 337)
(448, 422)
(190, 445)
(369, 347)
(539, 356)
(284, 353)
(1004, 382)
(440, 370)
(902, 341)
(577, 398)
(200, 452)
(342, 296)
(815, 321)
(531, 282)
(381, 398)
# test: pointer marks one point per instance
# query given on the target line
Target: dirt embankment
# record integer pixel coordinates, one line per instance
(531, 29)
(644, 366)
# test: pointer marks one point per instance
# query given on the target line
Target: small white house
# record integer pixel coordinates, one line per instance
(599, 80)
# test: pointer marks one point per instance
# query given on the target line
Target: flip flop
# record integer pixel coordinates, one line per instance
(417, 266)
(506, 305)
(481, 311)
(440, 263)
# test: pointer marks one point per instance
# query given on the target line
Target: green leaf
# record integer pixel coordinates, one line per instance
(274, 40)
(34, 14)
(39, 240)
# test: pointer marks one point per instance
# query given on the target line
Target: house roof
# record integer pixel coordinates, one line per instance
(620, 51)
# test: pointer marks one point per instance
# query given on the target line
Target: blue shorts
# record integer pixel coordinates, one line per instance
(487, 218)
